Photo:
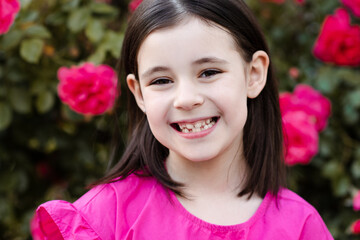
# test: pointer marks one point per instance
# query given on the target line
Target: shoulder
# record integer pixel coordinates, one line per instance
(297, 216)
(96, 213)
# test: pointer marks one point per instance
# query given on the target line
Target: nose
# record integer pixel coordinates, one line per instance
(188, 96)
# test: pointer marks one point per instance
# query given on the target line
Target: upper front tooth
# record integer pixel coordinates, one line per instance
(198, 125)
(189, 126)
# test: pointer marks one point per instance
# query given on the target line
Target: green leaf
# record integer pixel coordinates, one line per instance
(45, 101)
(351, 116)
(112, 42)
(69, 114)
(342, 186)
(5, 116)
(327, 80)
(20, 100)
(98, 56)
(332, 170)
(31, 50)
(94, 30)
(38, 31)
(355, 169)
(29, 16)
(55, 19)
(353, 98)
(103, 8)
(25, 4)
(69, 5)
(78, 19)
(11, 39)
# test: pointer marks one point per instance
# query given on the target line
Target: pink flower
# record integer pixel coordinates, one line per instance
(355, 227)
(354, 5)
(134, 4)
(8, 11)
(356, 201)
(35, 229)
(301, 138)
(338, 41)
(310, 101)
(294, 72)
(88, 89)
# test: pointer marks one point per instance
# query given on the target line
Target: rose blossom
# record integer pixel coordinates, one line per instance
(300, 137)
(308, 100)
(338, 41)
(8, 11)
(355, 227)
(35, 230)
(134, 4)
(354, 5)
(356, 201)
(88, 89)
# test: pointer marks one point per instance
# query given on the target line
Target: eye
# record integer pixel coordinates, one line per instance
(209, 72)
(160, 81)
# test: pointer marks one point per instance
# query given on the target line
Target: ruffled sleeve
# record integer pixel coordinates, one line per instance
(58, 220)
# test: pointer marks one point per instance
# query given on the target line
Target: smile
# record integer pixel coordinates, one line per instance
(194, 127)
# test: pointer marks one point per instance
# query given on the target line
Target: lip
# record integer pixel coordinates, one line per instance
(194, 135)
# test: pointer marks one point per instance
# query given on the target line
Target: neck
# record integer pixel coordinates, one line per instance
(210, 177)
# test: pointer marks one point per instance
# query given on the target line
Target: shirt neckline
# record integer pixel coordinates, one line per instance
(236, 227)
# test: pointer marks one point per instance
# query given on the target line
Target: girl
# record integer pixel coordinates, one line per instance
(204, 158)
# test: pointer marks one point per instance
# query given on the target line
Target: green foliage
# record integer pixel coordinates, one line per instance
(331, 179)
(48, 151)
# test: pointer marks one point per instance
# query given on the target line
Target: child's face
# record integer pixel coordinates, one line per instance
(193, 87)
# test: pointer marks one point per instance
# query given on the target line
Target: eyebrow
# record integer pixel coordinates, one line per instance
(200, 61)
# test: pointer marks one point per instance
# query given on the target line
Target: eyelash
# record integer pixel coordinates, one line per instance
(210, 72)
(160, 81)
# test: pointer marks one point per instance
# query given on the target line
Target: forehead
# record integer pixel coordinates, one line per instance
(192, 35)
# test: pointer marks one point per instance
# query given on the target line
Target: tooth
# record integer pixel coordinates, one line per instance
(186, 130)
(208, 121)
(206, 127)
(189, 126)
(198, 125)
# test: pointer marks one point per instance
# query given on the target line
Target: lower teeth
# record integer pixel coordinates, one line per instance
(209, 125)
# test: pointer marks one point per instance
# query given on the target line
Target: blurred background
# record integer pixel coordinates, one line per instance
(49, 151)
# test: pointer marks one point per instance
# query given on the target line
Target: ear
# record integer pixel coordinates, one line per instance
(257, 75)
(134, 87)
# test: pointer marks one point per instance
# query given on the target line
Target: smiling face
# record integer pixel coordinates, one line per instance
(193, 85)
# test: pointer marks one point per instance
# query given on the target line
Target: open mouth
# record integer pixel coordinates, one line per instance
(197, 126)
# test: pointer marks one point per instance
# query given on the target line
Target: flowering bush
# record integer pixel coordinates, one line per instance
(88, 89)
(338, 42)
(49, 152)
(8, 11)
(300, 136)
(354, 5)
(310, 101)
(304, 113)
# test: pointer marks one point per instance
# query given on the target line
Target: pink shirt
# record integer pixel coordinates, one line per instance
(140, 208)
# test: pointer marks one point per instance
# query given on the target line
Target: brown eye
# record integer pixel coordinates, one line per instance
(209, 72)
(160, 81)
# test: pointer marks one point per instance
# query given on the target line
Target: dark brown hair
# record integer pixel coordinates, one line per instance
(262, 138)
